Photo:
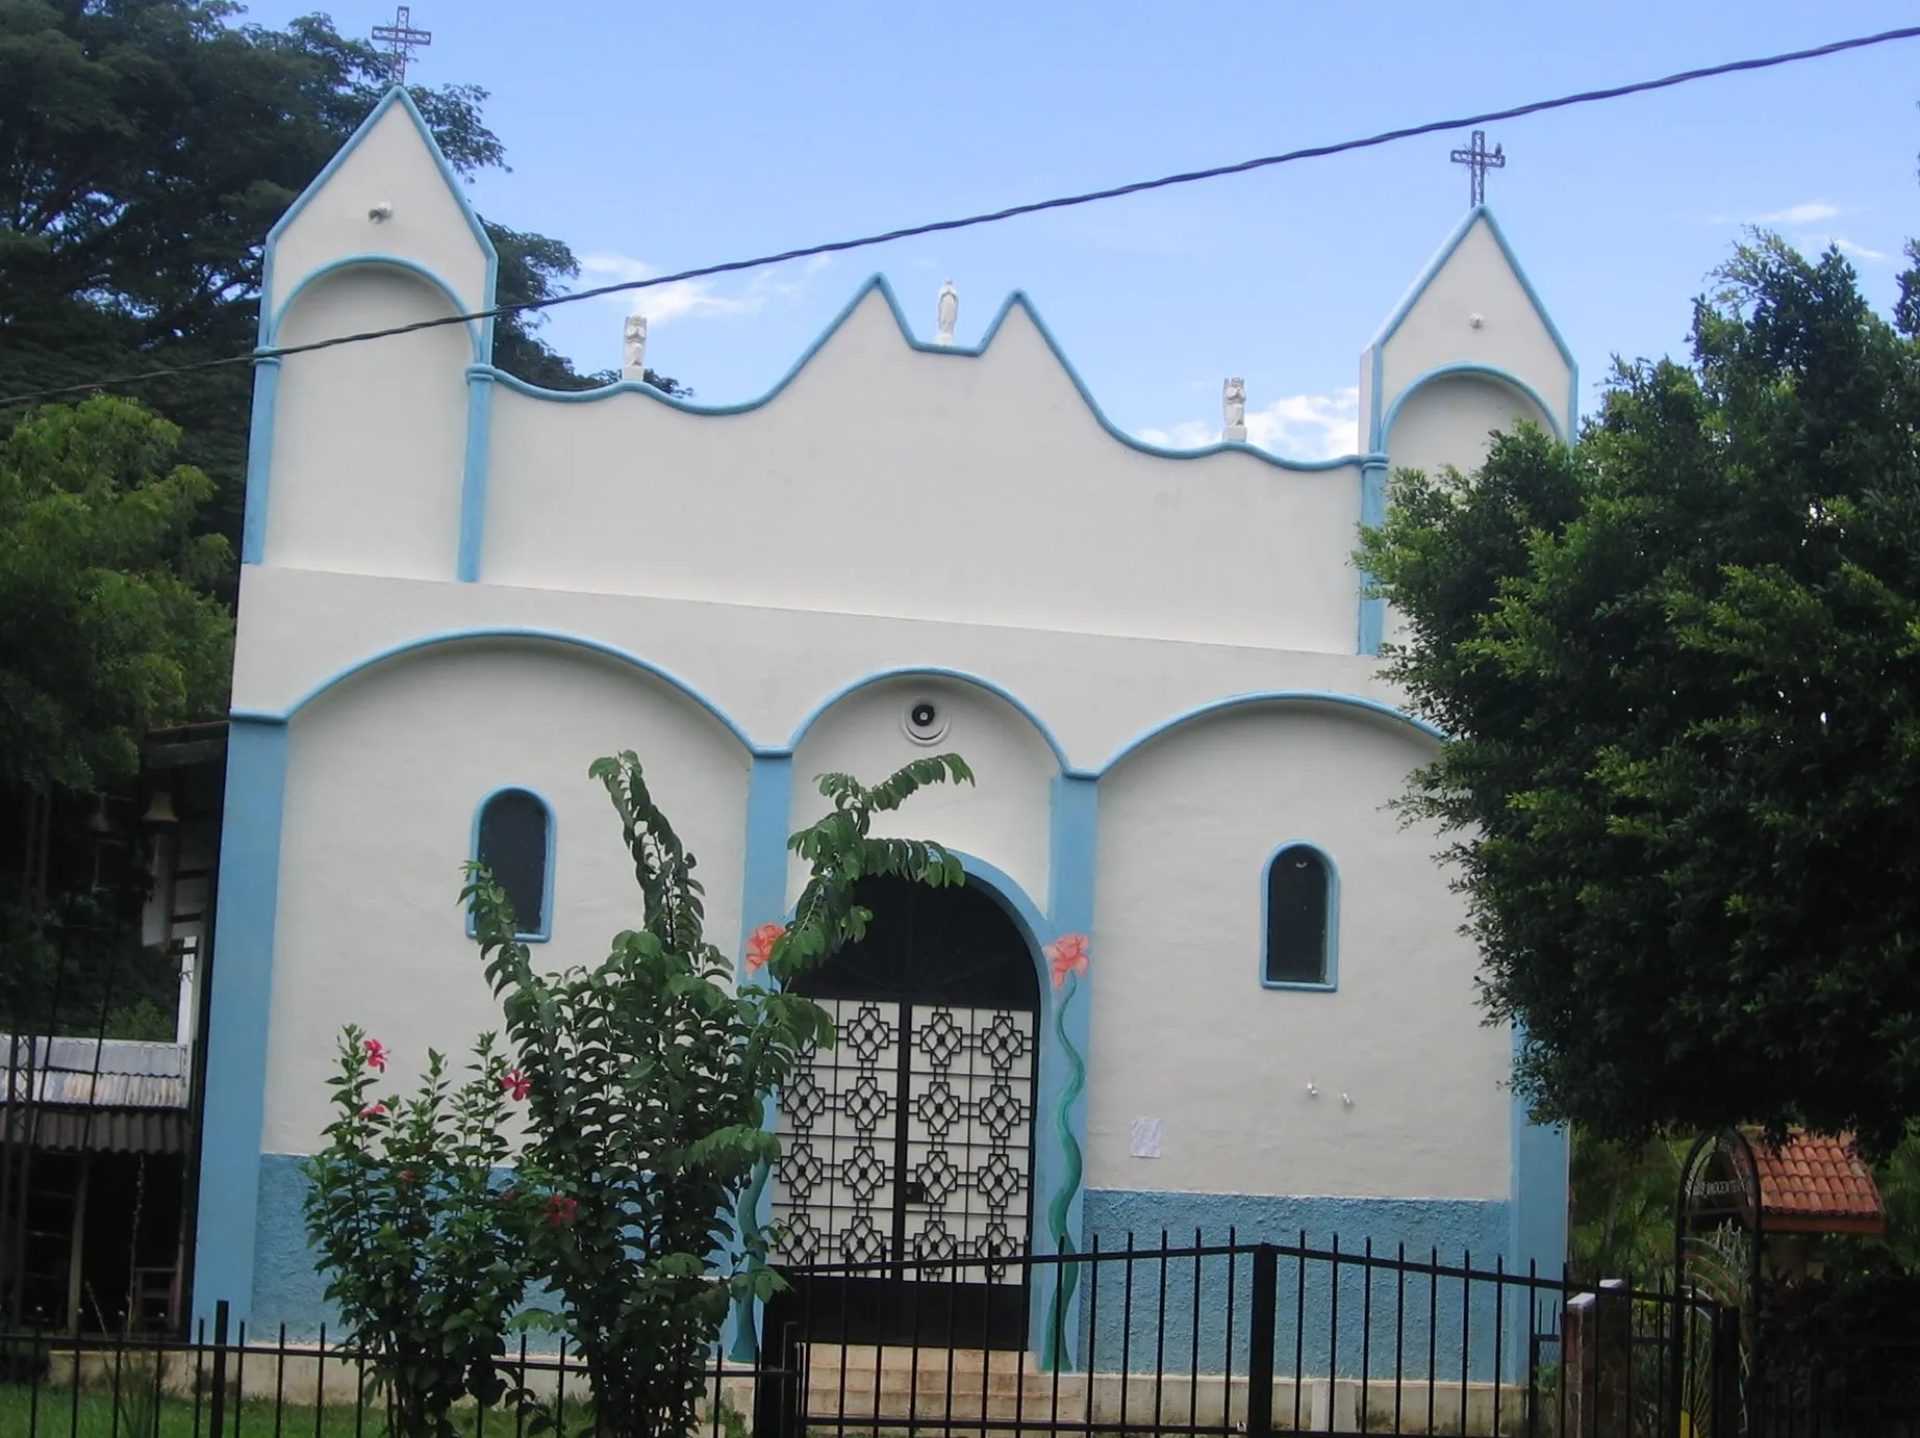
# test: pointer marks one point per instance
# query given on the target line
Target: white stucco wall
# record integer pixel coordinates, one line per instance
(768, 668)
(1438, 330)
(889, 508)
(1183, 1030)
(1001, 819)
(970, 488)
(369, 440)
(384, 775)
(428, 225)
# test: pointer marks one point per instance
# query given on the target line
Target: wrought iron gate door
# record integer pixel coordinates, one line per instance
(911, 1140)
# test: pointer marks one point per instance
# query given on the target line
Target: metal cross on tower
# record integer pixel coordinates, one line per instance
(1480, 159)
(401, 40)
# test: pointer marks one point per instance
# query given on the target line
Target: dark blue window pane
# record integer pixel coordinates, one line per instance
(513, 846)
(1297, 905)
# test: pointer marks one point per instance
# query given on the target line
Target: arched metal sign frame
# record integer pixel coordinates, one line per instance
(1718, 1240)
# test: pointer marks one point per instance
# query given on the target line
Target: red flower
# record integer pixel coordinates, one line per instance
(760, 946)
(376, 1055)
(561, 1210)
(1068, 955)
(516, 1084)
(374, 1110)
(406, 1176)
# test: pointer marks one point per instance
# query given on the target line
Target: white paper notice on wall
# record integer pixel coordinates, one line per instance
(1145, 1138)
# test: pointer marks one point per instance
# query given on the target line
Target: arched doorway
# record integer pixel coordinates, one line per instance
(912, 1139)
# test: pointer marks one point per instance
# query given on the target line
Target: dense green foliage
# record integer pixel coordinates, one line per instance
(425, 1256)
(647, 1082)
(1681, 667)
(146, 146)
(106, 632)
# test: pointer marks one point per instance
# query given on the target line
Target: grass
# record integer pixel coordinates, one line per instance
(50, 1412)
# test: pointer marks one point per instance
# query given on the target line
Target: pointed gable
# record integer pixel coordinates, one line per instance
(391, 160)
(1473, 309)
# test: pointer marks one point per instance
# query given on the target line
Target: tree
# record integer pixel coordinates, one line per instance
(1680, 665)
(146, 146)
(647, 1081)
(106, 632)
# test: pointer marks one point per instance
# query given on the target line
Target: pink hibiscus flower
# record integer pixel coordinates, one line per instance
(760, 946)
(1068, 955)
(376, 1055)
(561, 1210)
(516, 1084)
(374, 1110)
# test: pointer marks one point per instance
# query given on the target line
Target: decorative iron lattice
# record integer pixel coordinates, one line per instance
(911, 1139)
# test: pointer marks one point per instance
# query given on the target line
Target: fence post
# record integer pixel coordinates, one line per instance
(217, 1413)
(1728, 1421)
(778, 1398)
(1261, 1332)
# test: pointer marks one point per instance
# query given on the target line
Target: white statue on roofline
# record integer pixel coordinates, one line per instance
(634, 365)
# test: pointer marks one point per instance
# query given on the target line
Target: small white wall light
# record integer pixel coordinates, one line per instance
(381, 212)
(1476, 320)
(1313, 1090)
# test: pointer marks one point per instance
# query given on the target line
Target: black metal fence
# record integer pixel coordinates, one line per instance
(1195, 1339)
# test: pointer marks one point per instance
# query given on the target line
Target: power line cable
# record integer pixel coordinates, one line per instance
(1188, 177)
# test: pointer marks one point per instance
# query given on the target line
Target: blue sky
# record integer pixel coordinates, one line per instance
(658, 137)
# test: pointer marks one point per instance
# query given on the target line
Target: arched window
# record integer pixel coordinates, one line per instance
(513, 837)
(1303, 919)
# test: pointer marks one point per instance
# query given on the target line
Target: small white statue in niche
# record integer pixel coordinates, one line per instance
(634, 343)
(949, 313)
(1233, 406)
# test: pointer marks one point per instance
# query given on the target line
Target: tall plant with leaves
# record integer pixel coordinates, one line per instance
(425, 1254)
(648, 1078)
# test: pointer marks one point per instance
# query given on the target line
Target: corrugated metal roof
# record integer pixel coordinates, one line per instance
(100, 1130)
(128, 1074)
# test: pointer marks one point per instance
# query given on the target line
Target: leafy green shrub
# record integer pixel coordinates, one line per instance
(426, 1253)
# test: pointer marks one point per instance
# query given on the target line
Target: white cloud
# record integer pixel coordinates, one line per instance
(689, 299)
(1849, 247)
(1805, 214)
(1299, 426)
(1188, 434)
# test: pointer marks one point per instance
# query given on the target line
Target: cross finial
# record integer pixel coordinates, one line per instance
(401, 40)
(1479, 159)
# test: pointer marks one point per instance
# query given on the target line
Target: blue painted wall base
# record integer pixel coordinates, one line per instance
(1182, 1320)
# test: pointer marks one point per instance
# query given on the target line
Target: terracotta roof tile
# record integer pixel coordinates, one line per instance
(1817, 1176)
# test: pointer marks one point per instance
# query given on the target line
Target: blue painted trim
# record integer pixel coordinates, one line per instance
(1555, 422)
(1412, 297)
(934, 671)
(1330, 959)
(545, 931)
(270, 325)
(1373, 512)
(1073, 841)
(1018, 299)
(266, 393)
(1376, 362)
(1270, 696)
(1539, 1181)
(396, 96)
(452, 636)
(236, 1038)
(473, 477)
(763, 900)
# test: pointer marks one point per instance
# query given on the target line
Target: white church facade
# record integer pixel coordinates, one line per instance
(1227, 988)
